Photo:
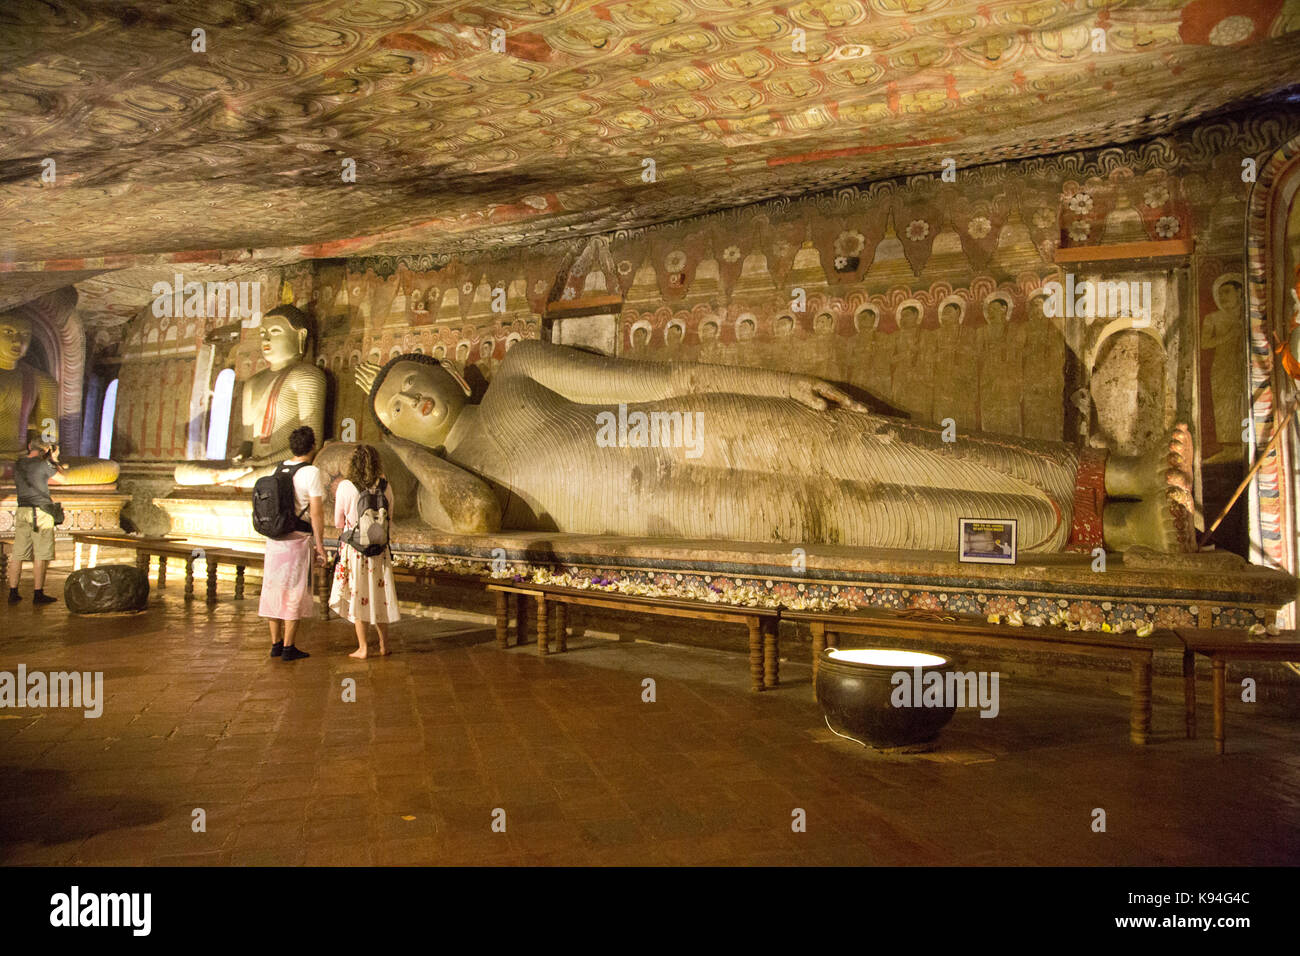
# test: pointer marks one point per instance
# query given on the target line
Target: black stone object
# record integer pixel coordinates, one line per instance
(856, 700)
(109, 587)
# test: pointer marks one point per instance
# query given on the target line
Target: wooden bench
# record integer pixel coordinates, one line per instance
(926, 627)
(761, 623)
(1220, 646)
(165, 547)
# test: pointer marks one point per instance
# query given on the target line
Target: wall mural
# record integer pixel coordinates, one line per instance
(924, 295)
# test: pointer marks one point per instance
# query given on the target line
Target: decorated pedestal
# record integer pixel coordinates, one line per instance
(221, 519)
(86, 508)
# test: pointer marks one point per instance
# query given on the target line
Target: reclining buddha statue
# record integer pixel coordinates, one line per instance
(29, 401)
(275, 401)
(564, 440)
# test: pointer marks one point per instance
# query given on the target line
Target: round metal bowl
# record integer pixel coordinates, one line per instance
(857, 688)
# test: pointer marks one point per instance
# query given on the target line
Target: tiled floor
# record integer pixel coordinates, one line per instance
(450, 729)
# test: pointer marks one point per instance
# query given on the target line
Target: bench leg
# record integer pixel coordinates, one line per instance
(819, 644)
(1189, 691)
(212, 582)
(503, 622)
(771, 656)
(561, 628)
(162, 571)
(239, 582)
(1220, 691)
(755, 655)
(1140, 719)
(142, 561)
(521, 619)
(189, 579)
(323, 585)
(542, 632)
(4, 563)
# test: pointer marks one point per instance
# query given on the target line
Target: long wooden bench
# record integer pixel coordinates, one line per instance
(935, 628)
(165, 547)
(760, 623)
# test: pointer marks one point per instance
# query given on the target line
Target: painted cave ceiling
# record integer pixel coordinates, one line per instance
(236, 153)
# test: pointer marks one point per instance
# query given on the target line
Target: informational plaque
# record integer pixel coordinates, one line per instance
(987, 540)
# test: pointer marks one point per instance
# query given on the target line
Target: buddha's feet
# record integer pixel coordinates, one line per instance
(1163, 517)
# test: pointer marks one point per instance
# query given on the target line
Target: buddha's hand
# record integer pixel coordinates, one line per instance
(820, 395)
(231, 474)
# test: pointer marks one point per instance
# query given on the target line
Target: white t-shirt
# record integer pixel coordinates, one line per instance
(307, 484)
(346, 499)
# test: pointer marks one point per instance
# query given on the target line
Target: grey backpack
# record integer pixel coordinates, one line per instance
(370, 534)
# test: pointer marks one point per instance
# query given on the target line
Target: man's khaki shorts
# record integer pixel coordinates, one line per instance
(35, 542)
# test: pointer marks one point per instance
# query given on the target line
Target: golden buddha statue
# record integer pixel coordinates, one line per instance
(29, 409)
(741, 454)
(275, 401)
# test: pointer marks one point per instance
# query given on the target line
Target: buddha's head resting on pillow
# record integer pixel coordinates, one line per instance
(415, 397)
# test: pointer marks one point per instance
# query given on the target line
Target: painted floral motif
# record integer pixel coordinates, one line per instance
(917, 230)
(979, 227)
(467, 287)
(1230, 30)
(1080, 204)
(731, 254)
(540, 286)
(1156, 196)
(849, 243)
(1079, 231)
(1044, 218)
(625, 267)
(675, 261)
(1167, 227)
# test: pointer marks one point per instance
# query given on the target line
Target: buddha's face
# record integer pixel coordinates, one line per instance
(910, 318)
(745, 330)
(1228, 298)
(485, 351)
(673, 335)
(419, 402)
(996, 311)
(640, 337)
(784, 327)
(281, 342)
(823, 323)
(950, 315)
(1036, 309)
(15, 337)
(708, 331)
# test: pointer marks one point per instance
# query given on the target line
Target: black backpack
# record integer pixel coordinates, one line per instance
(274, 515)
(370, 535)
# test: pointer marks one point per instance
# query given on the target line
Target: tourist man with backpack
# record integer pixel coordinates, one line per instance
(289, 509)
(363, 590)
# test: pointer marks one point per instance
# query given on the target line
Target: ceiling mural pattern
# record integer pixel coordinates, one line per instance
(514, 121)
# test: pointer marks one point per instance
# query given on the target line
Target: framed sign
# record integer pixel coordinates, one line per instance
(986, 540)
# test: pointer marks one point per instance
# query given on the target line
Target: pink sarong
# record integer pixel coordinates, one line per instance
(286, 579)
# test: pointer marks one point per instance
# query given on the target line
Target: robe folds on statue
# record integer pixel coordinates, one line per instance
(799, 475)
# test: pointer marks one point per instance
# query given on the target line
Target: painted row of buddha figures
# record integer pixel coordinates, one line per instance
(775, 456)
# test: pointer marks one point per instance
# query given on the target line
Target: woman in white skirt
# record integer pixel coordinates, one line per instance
(363, 590)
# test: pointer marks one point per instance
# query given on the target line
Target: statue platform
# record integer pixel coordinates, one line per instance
(86, 508)
(220, 518)
(1215, 589)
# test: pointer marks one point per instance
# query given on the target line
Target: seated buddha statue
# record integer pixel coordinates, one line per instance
(29, 401)
(275, 401)
(560, 442)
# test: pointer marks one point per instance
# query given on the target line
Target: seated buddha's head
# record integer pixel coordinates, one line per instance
(15, 337)
(284, 331)
(415, 397)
